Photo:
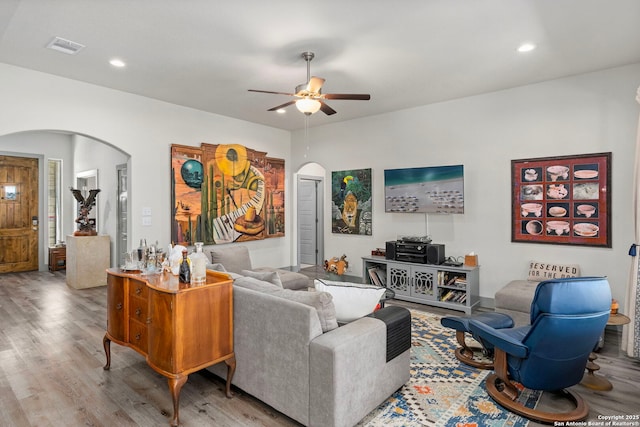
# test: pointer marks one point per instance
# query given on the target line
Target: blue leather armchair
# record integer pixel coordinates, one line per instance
(567, 319)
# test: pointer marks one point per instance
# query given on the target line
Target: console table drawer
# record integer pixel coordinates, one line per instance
(138, 289)
(138, 335)
(138, 309)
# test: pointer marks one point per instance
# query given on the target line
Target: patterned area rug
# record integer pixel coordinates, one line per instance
(442, 391)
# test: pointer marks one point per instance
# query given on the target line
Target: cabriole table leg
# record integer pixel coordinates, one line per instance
(106, 343)
(175, 385)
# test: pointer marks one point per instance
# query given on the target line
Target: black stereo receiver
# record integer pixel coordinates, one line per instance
(422, 253)
(411, 248)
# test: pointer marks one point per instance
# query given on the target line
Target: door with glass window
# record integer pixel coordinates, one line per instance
(18, 214)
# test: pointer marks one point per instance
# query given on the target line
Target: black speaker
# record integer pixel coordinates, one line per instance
(435, 254)
(390, 250)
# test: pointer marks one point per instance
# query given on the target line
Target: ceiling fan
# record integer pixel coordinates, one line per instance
(309, 95)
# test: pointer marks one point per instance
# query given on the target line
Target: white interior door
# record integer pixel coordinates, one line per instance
(310, 242)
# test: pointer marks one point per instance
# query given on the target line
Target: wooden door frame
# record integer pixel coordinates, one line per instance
(42, 203)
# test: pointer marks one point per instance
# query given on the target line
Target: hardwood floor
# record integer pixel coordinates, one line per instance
(51, 360)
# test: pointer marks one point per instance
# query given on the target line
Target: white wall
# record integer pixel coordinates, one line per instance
(90, 154)
(145, 129)
(589, 113)
(45, 145)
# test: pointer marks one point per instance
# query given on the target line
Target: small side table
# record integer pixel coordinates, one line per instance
(57, 258)
(590, 379)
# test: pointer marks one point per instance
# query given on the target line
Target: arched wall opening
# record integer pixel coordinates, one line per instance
(78, 154)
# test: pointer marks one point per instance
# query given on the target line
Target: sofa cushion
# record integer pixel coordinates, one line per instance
(234, 258)
(352, 301)
(540, 271)
(289, 279)
(256, 284)
(219, 267)
(268, 276)
(321, 301)
(516, 295)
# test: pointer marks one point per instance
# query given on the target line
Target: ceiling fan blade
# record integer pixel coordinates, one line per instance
(326, 109)
(286, 104)
(315, 84)
(268, 91)
(354, 96)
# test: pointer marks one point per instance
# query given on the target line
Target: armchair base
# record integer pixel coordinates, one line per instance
(503, 395)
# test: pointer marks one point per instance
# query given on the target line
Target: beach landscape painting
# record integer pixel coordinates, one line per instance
(429, 189)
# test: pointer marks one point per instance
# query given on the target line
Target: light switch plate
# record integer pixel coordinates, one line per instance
(146, 211)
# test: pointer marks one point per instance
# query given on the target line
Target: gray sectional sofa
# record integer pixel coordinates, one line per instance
(236, 259)
(292, 355)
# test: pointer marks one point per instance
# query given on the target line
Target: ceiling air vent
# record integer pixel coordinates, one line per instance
(65, 46)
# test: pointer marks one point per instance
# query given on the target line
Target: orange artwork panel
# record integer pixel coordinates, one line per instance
(223, 193)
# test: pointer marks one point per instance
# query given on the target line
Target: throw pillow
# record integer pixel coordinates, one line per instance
(352, 301)
(267, 276)
(539, 271)
(321, 301)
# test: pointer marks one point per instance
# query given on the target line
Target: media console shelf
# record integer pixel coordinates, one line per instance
(455, 288)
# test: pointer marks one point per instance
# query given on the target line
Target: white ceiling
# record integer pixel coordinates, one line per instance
(205, 54)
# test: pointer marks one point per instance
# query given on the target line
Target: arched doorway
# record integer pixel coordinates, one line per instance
(75, 153)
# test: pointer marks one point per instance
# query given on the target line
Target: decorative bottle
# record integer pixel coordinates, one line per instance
(184, 272)
(142, 253)
(199, 263)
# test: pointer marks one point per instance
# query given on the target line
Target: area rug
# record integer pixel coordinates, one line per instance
(442, 391)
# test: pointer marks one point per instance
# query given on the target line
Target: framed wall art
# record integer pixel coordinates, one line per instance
(351, 202)
(225, 193)
(562, 200)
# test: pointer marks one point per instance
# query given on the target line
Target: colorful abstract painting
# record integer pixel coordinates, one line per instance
(351, 202)
(225, 193)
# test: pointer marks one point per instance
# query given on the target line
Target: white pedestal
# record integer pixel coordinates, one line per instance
(88, 258)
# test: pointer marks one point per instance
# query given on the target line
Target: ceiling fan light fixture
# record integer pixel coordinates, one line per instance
(308, 106)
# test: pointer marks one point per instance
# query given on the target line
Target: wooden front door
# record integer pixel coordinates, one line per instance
(18, 214)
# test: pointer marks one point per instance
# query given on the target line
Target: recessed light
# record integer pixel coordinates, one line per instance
(526, 47)
(117, 63)
(281, 111)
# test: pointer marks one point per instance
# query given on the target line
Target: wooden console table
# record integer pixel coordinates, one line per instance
(179, 328)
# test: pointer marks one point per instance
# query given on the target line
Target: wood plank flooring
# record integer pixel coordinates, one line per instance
(51, 374)
(51, 360)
